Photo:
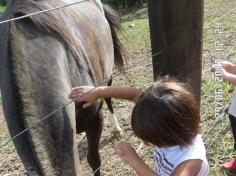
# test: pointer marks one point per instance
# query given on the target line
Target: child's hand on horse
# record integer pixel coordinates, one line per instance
(88, 94)
(127, 154)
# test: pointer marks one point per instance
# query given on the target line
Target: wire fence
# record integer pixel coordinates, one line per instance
(131, 67)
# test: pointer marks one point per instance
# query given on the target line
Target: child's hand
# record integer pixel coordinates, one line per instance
(226, 64)
(84, 94)
(127, 153)
(213, 67)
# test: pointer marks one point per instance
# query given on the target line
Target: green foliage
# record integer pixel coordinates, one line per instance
(3, 2)
(125, 4)
(2, 9)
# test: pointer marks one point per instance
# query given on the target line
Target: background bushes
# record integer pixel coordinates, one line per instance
(3, 2)
(124, 4)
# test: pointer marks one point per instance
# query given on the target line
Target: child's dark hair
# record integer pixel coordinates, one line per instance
(166, 115)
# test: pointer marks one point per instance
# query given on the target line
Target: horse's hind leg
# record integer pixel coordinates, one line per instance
(117, 131)
(93, 135)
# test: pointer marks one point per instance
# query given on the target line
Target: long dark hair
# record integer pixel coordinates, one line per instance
(166, 115)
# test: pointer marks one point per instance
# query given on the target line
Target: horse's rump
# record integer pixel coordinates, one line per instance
(43, 57)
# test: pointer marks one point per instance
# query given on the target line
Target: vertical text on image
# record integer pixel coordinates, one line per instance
(218, 74)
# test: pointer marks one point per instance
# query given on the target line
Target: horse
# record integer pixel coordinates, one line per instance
(41, 58)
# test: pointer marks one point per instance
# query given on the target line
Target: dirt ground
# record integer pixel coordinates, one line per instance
(138, 47)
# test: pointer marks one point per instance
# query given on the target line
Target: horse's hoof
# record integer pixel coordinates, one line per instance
(117, 133)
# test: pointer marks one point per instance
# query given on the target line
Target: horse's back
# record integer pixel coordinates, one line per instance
(93, 34)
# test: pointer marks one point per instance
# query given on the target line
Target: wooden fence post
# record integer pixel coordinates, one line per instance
(176, 28)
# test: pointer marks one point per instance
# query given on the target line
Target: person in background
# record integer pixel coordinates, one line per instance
(165, 116)
(229, 74)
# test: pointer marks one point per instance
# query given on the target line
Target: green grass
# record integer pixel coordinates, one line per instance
(136, 29)
(136, 34)
(2, 9)
(138, 37)
(213, 10)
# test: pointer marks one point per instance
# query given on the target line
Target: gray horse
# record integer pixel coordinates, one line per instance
(41, 58)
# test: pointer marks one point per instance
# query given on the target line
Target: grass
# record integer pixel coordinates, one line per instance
(137, 38)
(136, 29)
(136, 34)
(2, 9)
(221, 148)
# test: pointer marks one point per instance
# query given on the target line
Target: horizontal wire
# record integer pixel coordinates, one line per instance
(109, 158)
(219, 18)
(52, 113)
(72, 101)
(42, 11)
(215, 137)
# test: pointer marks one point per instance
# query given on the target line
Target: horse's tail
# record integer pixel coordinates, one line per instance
(115, 25)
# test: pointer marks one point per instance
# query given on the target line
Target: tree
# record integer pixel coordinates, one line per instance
(124, 3)
(3, 2)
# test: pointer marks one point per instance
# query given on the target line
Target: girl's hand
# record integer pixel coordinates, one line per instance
(226, 74)
(223, 66)
(127, 153)
(226, 65)
(216, 66)
(129, 156)
(86, 94)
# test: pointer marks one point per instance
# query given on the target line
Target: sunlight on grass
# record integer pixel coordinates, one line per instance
(136, 34)
(2, 9)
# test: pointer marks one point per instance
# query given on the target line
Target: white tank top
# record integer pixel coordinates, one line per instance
(232, 108)
(167, 159)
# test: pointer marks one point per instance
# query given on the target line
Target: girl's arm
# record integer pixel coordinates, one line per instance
(143, 170)
(229, 71)
(129, 156)
(229, 77)
(188, 168)
(90, 94)
(229, 67)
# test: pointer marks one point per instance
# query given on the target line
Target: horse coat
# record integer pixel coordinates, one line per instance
(42, 57)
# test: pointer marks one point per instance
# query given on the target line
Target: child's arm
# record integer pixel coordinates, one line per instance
(229, 77)
(229, 71)
(90, 94)
(129, 156)
(188, 168)
(229, 67)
